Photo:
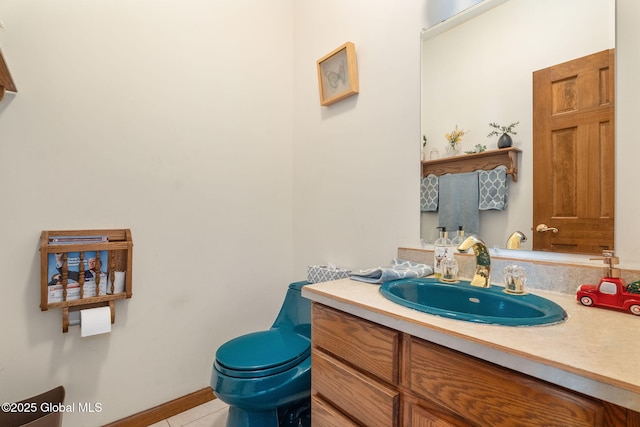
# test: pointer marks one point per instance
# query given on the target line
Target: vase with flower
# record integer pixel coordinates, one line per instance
(504, 132)
(454, 138)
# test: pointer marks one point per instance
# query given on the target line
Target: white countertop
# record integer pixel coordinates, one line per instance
(594, 352)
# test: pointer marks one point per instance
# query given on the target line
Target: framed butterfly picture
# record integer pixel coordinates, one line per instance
(338, 74)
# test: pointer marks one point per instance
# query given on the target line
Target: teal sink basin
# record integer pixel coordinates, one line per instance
(465, 302)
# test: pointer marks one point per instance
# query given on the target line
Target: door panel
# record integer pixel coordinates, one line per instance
(573, 159)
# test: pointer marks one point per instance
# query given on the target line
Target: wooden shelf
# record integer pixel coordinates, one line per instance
(119, 259)
(486, 160)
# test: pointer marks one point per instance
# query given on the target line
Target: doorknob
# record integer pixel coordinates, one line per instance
(541, 228)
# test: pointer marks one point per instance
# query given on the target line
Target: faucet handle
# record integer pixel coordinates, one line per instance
(515, 278)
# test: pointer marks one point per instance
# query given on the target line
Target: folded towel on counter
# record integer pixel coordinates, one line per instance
(325, 273)
(458, 202)
(492, 186)
(429, 193)
(399, 269)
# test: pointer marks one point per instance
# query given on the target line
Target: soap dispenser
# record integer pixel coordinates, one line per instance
(457, 241)
(610, 261)
(442, 249)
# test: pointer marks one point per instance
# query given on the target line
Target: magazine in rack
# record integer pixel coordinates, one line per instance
(81, 268)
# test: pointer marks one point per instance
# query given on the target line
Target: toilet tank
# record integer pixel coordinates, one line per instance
(295, 313)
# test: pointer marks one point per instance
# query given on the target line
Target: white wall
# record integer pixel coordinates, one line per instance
(356, 162)
(172, 118)
(627, 147)
(182, 118)
(441, 10)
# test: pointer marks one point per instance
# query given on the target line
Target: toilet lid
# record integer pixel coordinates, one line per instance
(262, 353)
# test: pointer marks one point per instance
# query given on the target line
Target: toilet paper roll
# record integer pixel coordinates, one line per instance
(118, 282)
(95, 321)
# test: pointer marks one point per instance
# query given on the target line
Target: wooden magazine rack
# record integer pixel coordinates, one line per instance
(71, 288)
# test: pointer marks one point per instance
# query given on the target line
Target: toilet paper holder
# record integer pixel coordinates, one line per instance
(85, 269)
(66, 310)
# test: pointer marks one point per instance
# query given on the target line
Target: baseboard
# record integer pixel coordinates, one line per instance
(166, 410)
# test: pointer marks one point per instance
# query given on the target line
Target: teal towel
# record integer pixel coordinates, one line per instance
(458, 202)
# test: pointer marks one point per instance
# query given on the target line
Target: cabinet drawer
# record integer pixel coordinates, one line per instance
(364, 344)
(489, 395)
(366, 400)
(324, 415)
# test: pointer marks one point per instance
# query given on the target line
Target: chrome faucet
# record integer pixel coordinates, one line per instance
(515, 239)
(481, 277)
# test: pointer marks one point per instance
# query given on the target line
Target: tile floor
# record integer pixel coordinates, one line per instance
(210, 414)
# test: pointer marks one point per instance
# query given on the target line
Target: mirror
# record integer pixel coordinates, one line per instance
(477, 68)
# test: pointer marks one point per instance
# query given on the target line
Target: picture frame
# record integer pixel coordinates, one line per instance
(338, 74)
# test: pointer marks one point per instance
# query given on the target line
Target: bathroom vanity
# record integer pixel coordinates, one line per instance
(377, 363)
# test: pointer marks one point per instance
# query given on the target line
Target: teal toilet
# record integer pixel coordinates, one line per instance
(265, 377)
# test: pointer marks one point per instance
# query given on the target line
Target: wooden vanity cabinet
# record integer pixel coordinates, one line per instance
(354, 371)
(489, 395)
(364, 374)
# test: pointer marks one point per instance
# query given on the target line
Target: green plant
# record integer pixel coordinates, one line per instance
(500, 130)
(424, 141)
(477, 149)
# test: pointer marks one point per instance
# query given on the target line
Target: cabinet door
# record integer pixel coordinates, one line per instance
(416, 416)
(364, 344)
(325, 415)
(488, 395)
(366, 400)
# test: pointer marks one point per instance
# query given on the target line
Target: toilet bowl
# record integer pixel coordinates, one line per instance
(265, 376)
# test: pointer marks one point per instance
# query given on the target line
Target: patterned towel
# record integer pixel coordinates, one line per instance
(492, 187)
(429, 193)
(399, 269)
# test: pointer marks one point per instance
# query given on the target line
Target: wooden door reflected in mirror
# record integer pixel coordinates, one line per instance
(573, 155)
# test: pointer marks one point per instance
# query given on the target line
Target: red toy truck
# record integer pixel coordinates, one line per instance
(611, 292)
